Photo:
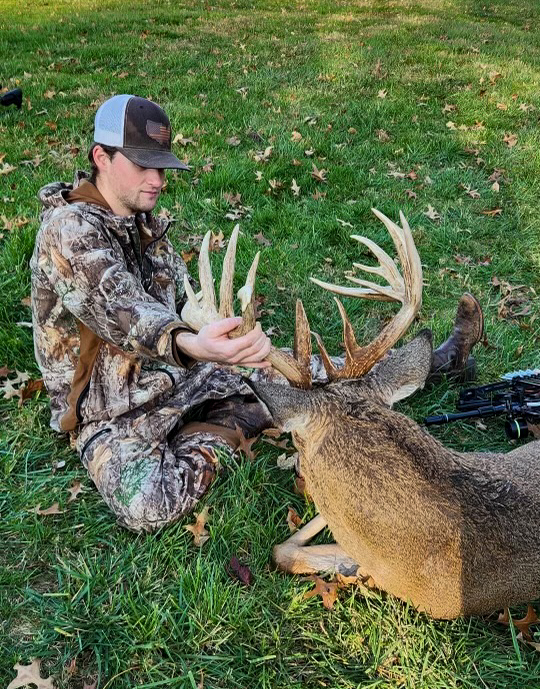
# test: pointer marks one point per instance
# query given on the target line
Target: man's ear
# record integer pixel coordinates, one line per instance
(101, 159)
(403, 371)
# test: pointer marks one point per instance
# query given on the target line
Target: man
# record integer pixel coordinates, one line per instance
(149, 404)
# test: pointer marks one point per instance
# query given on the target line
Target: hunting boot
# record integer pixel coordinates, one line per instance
(452, 357)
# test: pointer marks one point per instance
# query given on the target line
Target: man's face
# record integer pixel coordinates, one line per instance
(128, 187)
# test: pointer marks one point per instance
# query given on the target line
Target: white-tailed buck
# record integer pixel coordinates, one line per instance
(453, 533)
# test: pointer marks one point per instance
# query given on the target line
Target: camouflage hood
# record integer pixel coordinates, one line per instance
(106, 293)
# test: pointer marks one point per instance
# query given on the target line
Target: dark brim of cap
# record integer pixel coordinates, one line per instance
(155, 159)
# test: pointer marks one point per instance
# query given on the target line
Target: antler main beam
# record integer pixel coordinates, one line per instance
(201, 309)
(406, 289)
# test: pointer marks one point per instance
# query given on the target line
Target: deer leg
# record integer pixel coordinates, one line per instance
(295, 557)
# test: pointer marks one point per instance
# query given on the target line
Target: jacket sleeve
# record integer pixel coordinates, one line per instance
(96, 287)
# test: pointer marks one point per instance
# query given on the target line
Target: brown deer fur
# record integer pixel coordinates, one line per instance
(453, 533)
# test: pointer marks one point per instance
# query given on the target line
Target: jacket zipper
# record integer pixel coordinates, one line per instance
(164, 370)
(93, 437)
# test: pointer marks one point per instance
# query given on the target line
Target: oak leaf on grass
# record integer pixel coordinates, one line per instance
(200, 534)
(30, 674)
(327, 590)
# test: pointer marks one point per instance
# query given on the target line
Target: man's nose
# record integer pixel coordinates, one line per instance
(155, 177)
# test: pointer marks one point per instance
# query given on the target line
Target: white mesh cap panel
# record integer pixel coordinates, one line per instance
(109, 122)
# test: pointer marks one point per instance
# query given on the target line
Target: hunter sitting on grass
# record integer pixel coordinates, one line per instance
(145, 400)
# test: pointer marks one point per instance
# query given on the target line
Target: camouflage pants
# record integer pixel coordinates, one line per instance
(152, 465)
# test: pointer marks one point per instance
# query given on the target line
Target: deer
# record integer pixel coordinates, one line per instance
(452, 533)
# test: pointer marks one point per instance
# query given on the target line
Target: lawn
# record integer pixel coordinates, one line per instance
(428, 106)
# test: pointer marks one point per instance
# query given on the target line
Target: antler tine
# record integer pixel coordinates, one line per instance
(205, 273)
(406, 289)
(227, 276)
(246, 294)
(387, 268)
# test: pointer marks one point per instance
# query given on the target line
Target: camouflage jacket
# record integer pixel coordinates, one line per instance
(106, 293)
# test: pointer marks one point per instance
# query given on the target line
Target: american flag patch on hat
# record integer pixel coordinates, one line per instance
(158, 132)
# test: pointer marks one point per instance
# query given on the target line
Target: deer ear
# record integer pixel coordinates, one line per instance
(403, 371)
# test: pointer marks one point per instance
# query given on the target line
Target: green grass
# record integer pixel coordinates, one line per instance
(152, 611)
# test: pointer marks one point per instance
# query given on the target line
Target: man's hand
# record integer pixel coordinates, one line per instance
(212, 344)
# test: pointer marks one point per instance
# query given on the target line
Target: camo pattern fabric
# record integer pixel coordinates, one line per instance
(148, 472)
(88, 270)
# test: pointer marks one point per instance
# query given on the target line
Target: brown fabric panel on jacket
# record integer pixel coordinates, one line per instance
(229, 435)
(87, 192)
(90, 344)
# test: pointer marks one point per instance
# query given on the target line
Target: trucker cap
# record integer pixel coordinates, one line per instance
(139, 128)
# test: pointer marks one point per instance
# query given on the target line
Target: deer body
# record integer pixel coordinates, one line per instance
(453, 533)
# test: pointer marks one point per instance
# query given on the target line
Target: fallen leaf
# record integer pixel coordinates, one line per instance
(296, 136)
(7, 168)
(286, 462)
(74, 491)
(239, 571)
(378, 71)
(53, 509)
(318, 195)
(183, 141)
(344, 223)
(261, 239)
(293, 520)
(493, 212)
(410, 193)
(382, 135)
(473, 193)
(245, 444)
(123, 75)
(200, 534)
(431, 213)
(309, 153)
(449, 107)
(495, 187)
(5, 372)
(382, 93)
(217, 241)
(233, 141)
(258, 175)
(327, 591)
(523, 624)
(510, 139)
(90, 686)
(295, 188)
(187, 256)
(263, 156)
(31, 388)
(30, 674)
(319, 175)
(49, 95)
(493, 76)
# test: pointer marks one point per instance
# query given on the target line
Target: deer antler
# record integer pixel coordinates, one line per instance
(406, 289)
(200, 310)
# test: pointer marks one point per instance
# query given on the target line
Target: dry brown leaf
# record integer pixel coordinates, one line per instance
(5, 371)
(258, 175)
(49, 95)
(431, 213)
(293, 519)
(493, 212)
(286, 462)
(30, 674)
(239, 571)
(233, 141)
(523, 624)
(93, 685)
(263, 156)
(296, 136)
(318, 195)
(410, 193)
(295, 188)
(381, 93)
(261, 239)
(326, 590)
(245, 444)
(510, 139)
(7, 168)
(217, 241)
(53, 509)
(200, 534)
(449, 107)
(187, 256)
(378, 71)
(26, 301)
(319, 175)
(31, 388)
(495, 187)
(382, 135)
(74, 491)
